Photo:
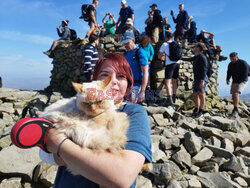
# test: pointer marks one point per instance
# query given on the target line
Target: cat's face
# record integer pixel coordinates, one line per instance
(93, 97)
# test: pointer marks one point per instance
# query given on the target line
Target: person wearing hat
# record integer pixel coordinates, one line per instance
(125, 13)
(239, 70)
(64, 35)
(138, 61)
(130, 26)
(200, 68)
(156, 24)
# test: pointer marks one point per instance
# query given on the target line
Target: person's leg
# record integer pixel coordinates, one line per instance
(174, 80)
(168, 87)
(54, 45)
(202, 99)
(91, 29)
(235, 97)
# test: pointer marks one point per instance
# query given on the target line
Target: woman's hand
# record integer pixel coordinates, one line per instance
(53, 140)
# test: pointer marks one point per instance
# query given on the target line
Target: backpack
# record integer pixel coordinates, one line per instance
(209, 68)
(85, 12)
(73, 34)
(175, 51)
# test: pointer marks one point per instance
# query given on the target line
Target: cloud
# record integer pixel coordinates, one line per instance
(30, 38)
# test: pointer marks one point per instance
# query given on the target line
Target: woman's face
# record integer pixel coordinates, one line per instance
(118, 82)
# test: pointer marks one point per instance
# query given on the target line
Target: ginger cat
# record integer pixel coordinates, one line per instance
(90, 119)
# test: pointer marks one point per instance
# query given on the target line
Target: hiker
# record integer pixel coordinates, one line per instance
(157, 23)
(190, 32)
(138, 61)
(147, 46)
(90, 57)
(1, 84)
(181, 22)
(149, 22)
(239, 71)
(125, 13)
(200, 70)
(64, 35)
(130, 26)
(171, 70)
(109, 25)
(165, 30)
(93, 25)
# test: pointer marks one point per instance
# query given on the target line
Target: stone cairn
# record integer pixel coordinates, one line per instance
(212, 151)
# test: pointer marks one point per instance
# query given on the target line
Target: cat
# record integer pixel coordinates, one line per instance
(91, 119)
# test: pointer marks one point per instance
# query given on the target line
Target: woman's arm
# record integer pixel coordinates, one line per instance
(104, 168)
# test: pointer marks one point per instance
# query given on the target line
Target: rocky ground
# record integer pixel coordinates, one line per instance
(212, 151)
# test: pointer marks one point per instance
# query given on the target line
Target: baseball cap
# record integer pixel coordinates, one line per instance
(153, 5)
(124, 2)
(127, 36)
(129, 21)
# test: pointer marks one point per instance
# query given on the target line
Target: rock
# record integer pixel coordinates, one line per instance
(240, 181)
(192, 143)
(225, 124)
(7, 107)
(210, 131)
(188, 125)
(215, 141)
(160, 120)
(215, 180)
(48, 177)
(182, 157)
(220, 152)
(235, 164)
(204, 155)
(11, 183)
(227, 145)
(194, 183)
(245, 151)
(5, 142)
(174, 184)
(14, 160)
(210, 167)
(142, 182)
(165, 172)
(194, 169)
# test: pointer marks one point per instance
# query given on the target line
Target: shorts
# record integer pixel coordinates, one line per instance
(196, 86)
(120, 29)
(172, 71)
(235, 87)
(179, 31)
(91, 23)
(156, 32)
(135, 92)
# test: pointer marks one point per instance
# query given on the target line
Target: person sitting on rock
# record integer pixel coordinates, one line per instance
(239, 70)
(64, 34)
(109, 25)
(125, 13)
(200, 68)
(171, 70)
(90, 57)
(190, 33)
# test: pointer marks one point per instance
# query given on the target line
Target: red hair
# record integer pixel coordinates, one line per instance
(119, 64)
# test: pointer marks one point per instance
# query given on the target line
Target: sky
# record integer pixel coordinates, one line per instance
(28, 27)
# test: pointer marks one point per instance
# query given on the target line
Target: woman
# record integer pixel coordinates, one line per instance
(106, 169)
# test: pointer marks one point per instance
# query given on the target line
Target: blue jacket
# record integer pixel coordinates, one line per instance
(182, 19)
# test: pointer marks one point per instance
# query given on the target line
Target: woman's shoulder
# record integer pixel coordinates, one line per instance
(132, 108)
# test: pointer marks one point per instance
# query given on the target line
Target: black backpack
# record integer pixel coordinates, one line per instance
(175, 51)
(85, 12)
(73, 34)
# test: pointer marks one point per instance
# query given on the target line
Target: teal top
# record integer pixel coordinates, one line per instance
(150, 51)
(109, 27)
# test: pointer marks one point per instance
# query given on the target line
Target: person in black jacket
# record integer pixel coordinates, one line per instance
(239, 70)
(200, 69)
(156, 24)
(181, 22)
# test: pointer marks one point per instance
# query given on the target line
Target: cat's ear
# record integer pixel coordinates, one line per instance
(78, 87)
(106, 82)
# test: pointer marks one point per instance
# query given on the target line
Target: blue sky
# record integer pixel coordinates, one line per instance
(28, 27)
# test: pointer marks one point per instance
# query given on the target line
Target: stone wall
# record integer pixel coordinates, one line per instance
(68, 66)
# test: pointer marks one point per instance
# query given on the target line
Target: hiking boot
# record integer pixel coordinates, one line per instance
(234, 112)
(48, 53)
(195, 113)
(200, 113)
(222, 58)
(169, 101)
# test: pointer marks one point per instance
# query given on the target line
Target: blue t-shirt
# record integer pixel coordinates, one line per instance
(134, 65)
(138, 140)
(126, 13)
(150, 51)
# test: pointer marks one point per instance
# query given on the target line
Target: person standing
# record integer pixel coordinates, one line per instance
(200, 69)
(239, 70)
(90, 57)
(181, 23)
(138, 61)
(125, 13)
(64, 35)
(149, 22)
(93, 25)
(109, 25)
(156, 24)
(171, 70)
(166, 29)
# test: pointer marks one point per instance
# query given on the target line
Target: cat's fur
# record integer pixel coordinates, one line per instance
(90, 123)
